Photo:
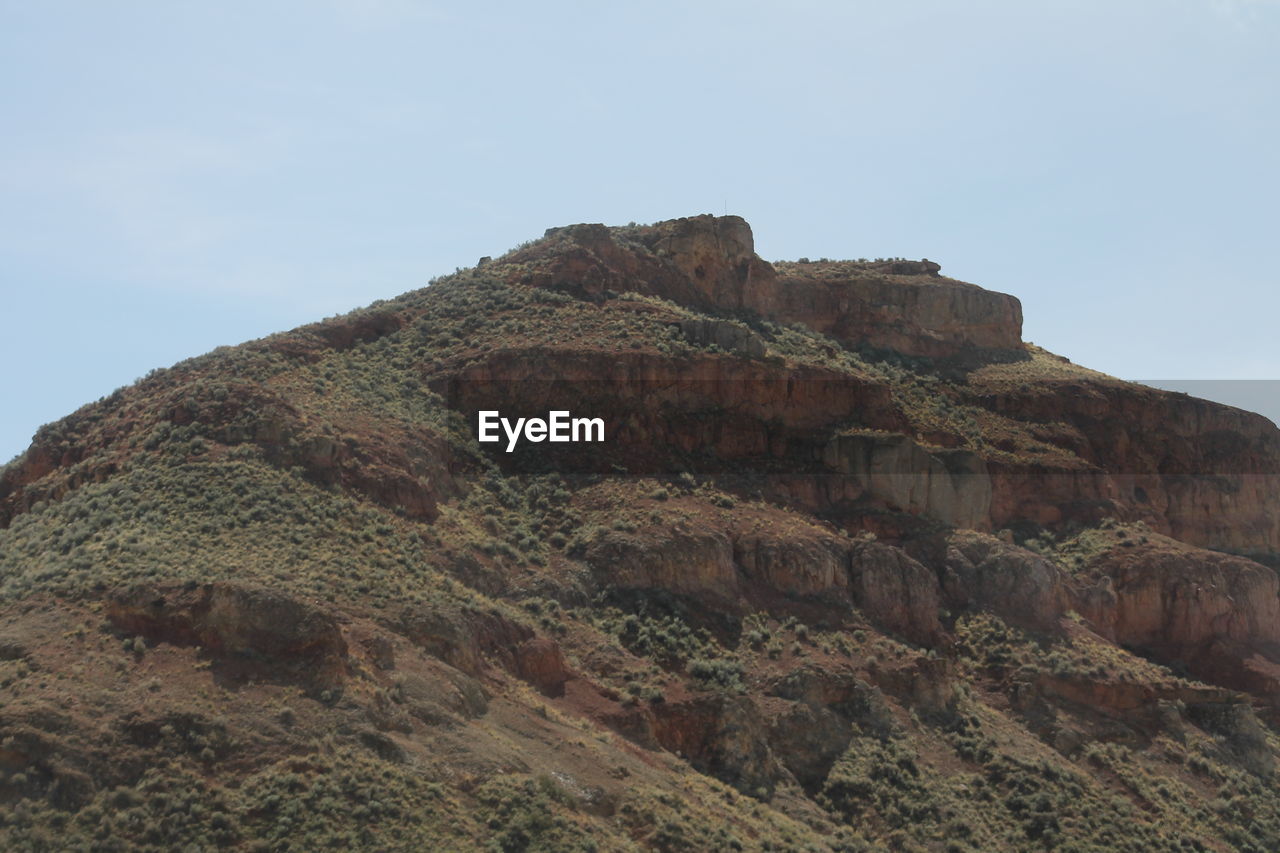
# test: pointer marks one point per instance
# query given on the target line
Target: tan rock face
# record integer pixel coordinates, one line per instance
(717, 256)
(949, 485)
(729, 566)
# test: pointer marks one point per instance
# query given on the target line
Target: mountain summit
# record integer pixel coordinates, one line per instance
(851, 567)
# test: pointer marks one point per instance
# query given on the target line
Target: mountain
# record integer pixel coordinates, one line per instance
(852, 568)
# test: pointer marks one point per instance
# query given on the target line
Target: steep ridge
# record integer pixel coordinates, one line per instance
(853, 568)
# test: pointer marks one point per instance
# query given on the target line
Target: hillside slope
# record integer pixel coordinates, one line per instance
(854, 568)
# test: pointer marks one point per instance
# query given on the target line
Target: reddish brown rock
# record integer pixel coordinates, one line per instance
(1198, 471)
(951, 486)
(259, 628)
(540, 662)
(697, 563)
(801, 562)
(1213, 615)
(898, 306)
(709, 262)
(811, 719)
(658, 410)
(894, 591)
(1125, 698)
(807, 739)
(1179, 601)
(1023, 588)
(722, 734)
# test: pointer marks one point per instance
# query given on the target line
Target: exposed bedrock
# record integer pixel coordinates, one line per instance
(709, 262)
(260, 630)
(951, 486)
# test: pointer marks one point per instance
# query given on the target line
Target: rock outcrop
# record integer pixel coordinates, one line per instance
(710, 263)
(903, 306)
(663, 411)
(259, 630)
(800, 563)
(952, 486)
(695, 563)
(982, 573)
(1201, 472)
(720, 734)
(896, 592)
(1214, 614)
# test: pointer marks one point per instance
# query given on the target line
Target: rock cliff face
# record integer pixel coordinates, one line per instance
(1211, 612)
(710, 263)
(981, 572)
(270, 634)
(663, 409)
(952, 486)
(906, 309)
(1199, 471)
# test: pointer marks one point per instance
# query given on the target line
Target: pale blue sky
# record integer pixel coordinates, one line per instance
(179, 175)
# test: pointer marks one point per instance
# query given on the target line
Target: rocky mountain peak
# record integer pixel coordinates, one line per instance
(709, 262)
(853, 568)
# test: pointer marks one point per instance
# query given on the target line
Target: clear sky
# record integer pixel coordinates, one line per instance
(179, 175)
